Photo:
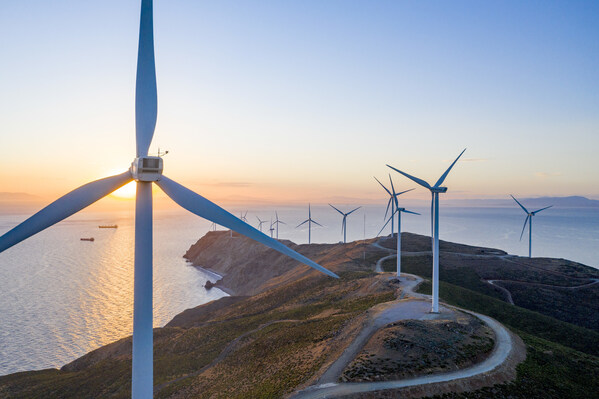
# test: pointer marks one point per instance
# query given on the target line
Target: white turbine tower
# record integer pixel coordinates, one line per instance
(435, 190)
(398, 211)
(309, 221)
(260, 223)
(344, 223)
(271, 229)
(277, 222)
(528, 219)
(145, 170)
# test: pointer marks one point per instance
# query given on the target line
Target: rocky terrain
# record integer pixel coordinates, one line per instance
(412, 348)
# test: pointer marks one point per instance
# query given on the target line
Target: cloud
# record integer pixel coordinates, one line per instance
(545, 175)
(229, 184)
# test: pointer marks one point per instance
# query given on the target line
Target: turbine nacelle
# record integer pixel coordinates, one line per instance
(438, 189)
(146, 168)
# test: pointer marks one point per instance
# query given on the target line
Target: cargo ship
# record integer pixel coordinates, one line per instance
(109, 226)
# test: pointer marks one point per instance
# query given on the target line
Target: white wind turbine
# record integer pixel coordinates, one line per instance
(435, 190)
(277, 222)
(528, 219)
(391, 203)
(344, 222)
(260, 223)
(309, 221)
(398, 211)
(243, 216)
(145, 170)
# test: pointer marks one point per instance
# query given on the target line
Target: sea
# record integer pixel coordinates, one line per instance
(61, 297)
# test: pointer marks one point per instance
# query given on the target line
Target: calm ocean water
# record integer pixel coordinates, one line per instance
(61, 297)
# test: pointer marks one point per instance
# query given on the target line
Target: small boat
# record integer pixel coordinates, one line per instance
(109, 226)
(87, 239)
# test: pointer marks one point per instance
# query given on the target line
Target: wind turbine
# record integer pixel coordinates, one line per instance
(243, 216)
(271, 229)
(213, 226)
(529, 216)
(145, 170)
(398, 211)
(309, 221)
(260, 223)
(344, 223)
(277, 222)
(391, 203)
(435, 190)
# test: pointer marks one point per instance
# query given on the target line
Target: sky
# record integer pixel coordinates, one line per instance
(290, 102)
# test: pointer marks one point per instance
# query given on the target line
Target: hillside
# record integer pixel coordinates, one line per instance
(559, 288)
(288, 323)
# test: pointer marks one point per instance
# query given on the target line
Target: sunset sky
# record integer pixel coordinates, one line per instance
(306, 100)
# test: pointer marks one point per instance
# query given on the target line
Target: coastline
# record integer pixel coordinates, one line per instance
(218, 278)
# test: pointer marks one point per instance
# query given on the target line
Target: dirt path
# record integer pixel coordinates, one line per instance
(383, 314)
(508, 294)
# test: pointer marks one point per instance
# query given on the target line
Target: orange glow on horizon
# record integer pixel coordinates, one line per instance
(127, 192)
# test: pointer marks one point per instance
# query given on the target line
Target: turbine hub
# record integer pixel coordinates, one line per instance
(438, 189)
(146, 168)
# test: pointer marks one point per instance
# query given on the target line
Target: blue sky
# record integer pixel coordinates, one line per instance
(307, 100)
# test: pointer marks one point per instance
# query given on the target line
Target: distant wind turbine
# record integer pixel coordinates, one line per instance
(435, 190)
(309, 221)
(271, 229)
(528, 219)
(145, 170)
(344, 222)
(390, 202)
(244, 216)
(213, 226)
(277, 222)
(398, 211)
(260, 223)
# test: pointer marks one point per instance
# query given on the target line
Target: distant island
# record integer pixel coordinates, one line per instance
(284, 328)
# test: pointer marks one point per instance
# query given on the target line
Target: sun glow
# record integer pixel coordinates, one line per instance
(126, 192)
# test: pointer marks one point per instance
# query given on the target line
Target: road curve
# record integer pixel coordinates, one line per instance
(403, 310)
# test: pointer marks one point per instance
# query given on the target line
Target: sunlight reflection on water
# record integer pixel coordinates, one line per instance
(61, 297)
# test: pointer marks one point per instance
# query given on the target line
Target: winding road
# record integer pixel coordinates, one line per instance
(416, 308)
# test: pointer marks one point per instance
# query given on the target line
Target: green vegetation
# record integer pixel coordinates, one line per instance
(550, 371)
(519, 319)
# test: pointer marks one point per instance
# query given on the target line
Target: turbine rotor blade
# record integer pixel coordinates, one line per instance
(388, 192)
(199, 205)
(414, 179)
(387, 210)
(403, 192)
(304, 222)
(542, 209)
(336, 209)
(64, 207)
(316, 223)
(524, 227)
(444, 175)
(386, 223)
(413, 213)
(146, 98)
(392, 187)
(352, 211)
(521, 206)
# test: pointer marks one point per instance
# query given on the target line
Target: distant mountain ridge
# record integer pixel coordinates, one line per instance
(574, 201)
